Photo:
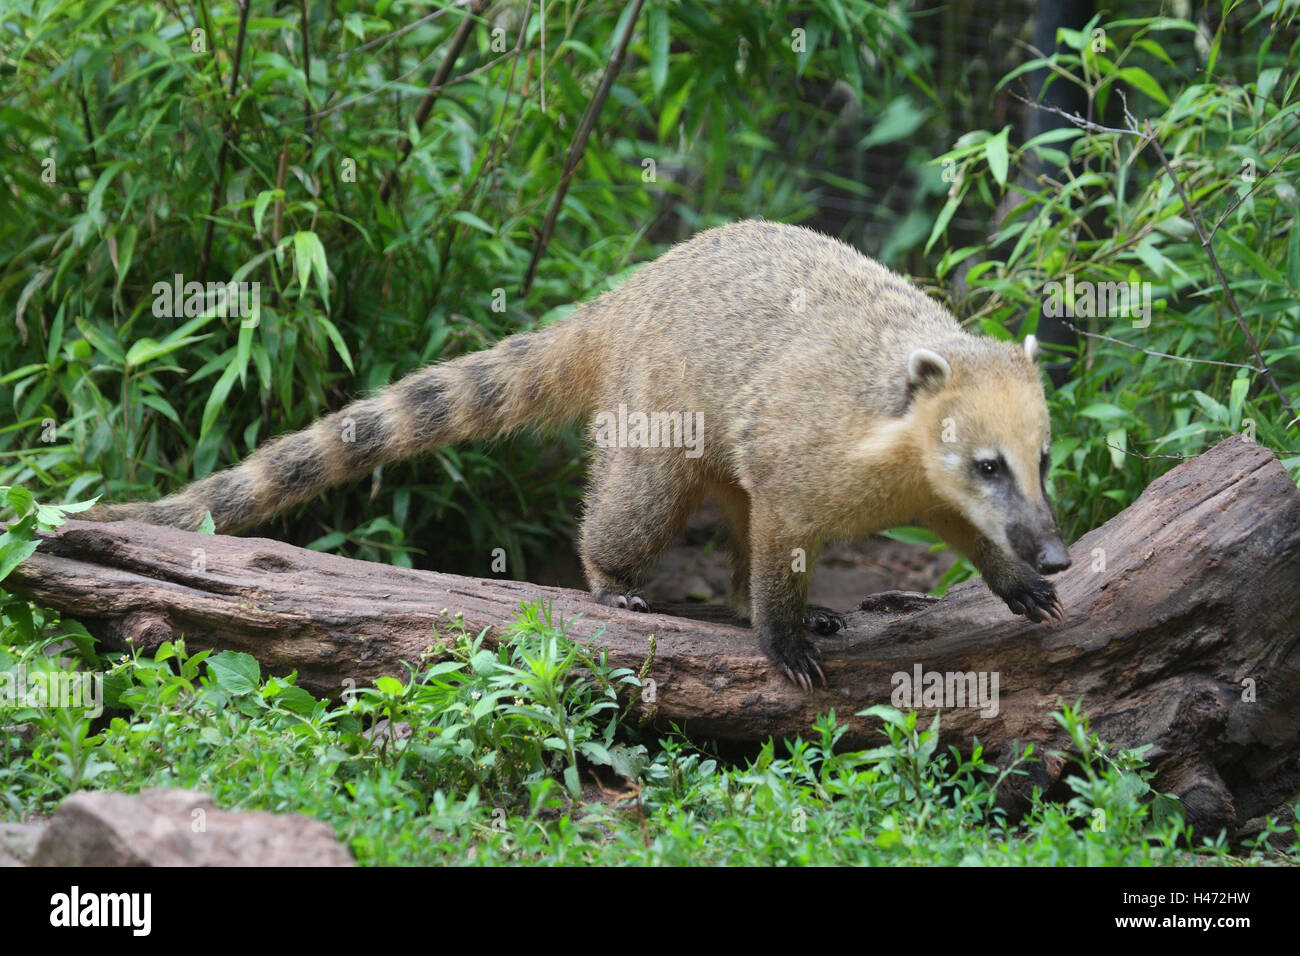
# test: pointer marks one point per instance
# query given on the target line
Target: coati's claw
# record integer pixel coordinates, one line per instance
(798, 659)
(1035, 599)
(822, 620)
(629, 602)
(1057, 610)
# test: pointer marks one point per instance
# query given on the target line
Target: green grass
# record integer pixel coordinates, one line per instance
(523, 754)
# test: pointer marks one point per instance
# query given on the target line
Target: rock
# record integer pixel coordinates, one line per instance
(18, 842)
(169, 827)
(386, 732)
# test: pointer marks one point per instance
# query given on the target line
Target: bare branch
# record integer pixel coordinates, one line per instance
(1223, 281)
(579, 144)
(228, 131)
(1150, 135)
(1130, 345)
(1258, 182)
(458, 41)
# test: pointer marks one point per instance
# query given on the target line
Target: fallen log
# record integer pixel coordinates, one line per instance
(1183, 617)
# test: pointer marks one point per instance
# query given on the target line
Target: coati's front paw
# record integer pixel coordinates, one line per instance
(629, 601)
(822, 620)
(795, 657)
(1035, 598)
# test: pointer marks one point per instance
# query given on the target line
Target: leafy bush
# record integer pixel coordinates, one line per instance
(1183, 375)
(223, 149)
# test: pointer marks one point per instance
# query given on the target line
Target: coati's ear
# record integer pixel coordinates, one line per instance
(1031, 347)
(927, 369)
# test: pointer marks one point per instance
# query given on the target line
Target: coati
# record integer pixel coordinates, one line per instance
(836, 400)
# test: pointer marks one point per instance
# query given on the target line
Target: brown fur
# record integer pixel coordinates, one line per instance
(796, 349)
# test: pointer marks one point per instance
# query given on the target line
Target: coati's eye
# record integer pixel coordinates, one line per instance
(987, 467)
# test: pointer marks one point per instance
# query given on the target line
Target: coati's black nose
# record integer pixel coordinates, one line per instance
(1053, 557)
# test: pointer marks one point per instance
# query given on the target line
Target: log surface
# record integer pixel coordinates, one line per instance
(1183, 618)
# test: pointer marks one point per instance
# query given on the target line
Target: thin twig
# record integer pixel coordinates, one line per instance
(306, 72)
(90, 130)
(1149, 135)
(458, 41)
(400, 31)
(411, 72)
(1223, 280)
(1181, 358)
(580, 143)
(1150, 457)
(227, 131)
(1259, 181)
(452, 233)
(1135, 454)
(1074, 119)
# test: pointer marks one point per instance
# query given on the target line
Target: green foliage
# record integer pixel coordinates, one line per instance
(129, 161)
(1113, 215)
(516, 754)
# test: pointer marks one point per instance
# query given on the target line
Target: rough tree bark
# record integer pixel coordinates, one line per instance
(1183, 617)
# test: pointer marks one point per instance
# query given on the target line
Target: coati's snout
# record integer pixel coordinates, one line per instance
(1042, 550)
(1052, 556)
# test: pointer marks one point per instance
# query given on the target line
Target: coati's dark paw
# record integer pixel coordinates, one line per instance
(798, 659)
(822, 620)
(630, 602)
(1035, 598)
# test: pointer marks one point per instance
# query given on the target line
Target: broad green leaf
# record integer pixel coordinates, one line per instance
(309, 256)
(1140, 79)
(339, 345)
(657, 18)
(13, 552)
(1105, 412)
(217, 398)
(995, 150)
(101, 341)
(1117, 445)
(941, 223)
(21, 500)
(473, 221)
(571, 781)
(125, 251)
(264, 199)
(389, 685)
(1237, 399)
(235, 672)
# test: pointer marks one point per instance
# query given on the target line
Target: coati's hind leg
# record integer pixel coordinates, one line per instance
(735, 505)
(781, 556)
(637, 505)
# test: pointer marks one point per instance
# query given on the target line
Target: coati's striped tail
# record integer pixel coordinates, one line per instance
(541, 377)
